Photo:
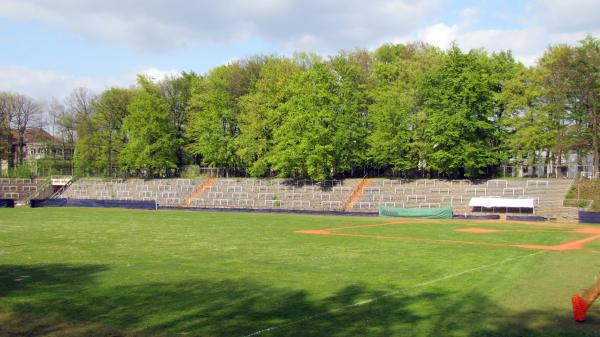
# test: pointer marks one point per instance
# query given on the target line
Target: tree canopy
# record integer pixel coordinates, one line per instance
(409, 108)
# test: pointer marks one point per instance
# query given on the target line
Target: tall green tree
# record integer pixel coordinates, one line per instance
(587, 90)
(350, 128)
(214, 116)
(461, 108)
(110, 112)
(151, 137)
(177, 91)
(215, 110)
(556, 75)
(394, 111)
(261, 114)
(100, 145)
(89, 158)
(528, 123)
(303, 142)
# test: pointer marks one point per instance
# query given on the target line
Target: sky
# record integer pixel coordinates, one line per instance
(50, 47)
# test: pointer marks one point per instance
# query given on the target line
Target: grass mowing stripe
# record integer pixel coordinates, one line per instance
(393, 293)
(36, 243)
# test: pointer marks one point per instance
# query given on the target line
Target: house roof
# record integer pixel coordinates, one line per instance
(34, 135)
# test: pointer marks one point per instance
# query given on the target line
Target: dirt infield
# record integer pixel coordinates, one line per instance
(571, 245)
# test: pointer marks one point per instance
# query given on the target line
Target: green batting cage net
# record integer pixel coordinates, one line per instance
(424, 213)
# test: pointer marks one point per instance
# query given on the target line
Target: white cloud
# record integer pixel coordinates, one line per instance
(440, 35)
(42, 84)
(159, 25)
(528, 42)
(159, 74)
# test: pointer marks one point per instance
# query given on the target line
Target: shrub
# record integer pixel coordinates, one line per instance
(21, 171)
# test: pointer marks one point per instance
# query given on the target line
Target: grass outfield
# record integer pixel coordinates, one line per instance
(100, 272)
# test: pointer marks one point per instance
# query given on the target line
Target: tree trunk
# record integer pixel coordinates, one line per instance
(548, 163)
(20, 151)
(559, 164)
(579, 163)
(109, 159)
(595, 142)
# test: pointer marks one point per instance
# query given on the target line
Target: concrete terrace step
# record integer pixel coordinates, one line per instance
(329, 195)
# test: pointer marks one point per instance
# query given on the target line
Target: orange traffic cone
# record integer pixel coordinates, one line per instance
(581, 304)
(580, 308)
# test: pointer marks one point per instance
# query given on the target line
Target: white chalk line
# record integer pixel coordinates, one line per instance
(419, 285)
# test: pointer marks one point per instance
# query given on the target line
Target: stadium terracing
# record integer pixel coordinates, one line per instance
(350, 195)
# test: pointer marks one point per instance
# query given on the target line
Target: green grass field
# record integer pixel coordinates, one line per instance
(100, 272)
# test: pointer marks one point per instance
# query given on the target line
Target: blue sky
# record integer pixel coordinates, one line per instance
(51, 47)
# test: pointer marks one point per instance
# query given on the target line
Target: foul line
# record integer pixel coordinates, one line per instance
(419, 285)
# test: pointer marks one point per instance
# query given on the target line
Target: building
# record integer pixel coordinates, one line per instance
(572, 166)
(38, 145)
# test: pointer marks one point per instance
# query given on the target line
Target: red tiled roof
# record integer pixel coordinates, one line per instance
(34, 135)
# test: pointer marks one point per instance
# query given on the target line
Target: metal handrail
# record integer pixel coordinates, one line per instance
(39, 190)
(62, 189)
